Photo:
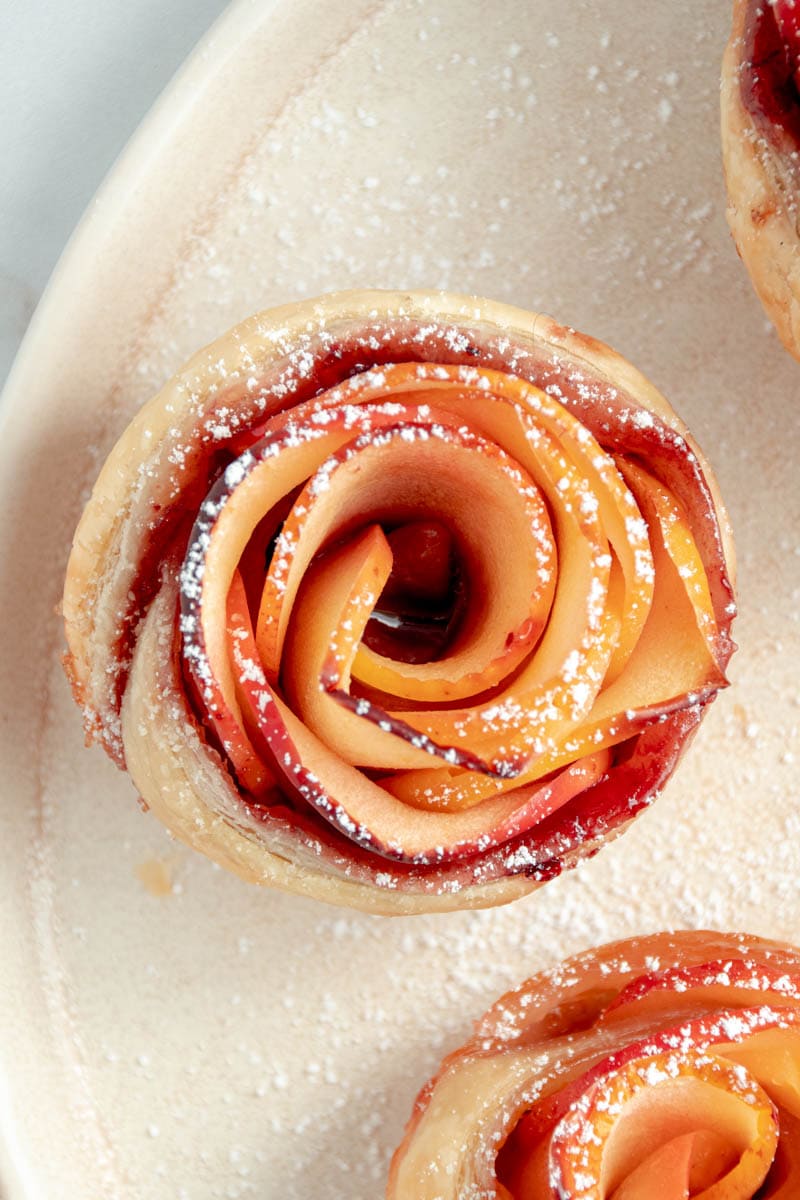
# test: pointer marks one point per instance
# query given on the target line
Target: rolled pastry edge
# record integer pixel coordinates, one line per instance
(761, 208)
(181, 777)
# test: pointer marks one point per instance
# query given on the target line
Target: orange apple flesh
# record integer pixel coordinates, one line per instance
(230, 721)
(672, 665)
(367, 812)
(700, 988)
(499, 517)
(680, 1168)
(632, 1112)
(573, 666)
(540, 434)
(772, 1056)
(662, 511)
(783, 1178)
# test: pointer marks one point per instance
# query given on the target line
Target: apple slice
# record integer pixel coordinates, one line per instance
(772, 1056)
(334, 604)
(373, 818)
(674, 665)
(703, 986)
(665, 516)
(499, 517)
(680, 1168)
(635, 1110)
(227, 716)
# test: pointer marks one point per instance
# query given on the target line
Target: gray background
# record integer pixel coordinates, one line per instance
(75, 81)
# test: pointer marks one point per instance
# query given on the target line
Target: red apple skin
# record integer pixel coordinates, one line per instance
(696, 987)
(628, 785)
(542, 850)
(727, 1026)
(566, 1006)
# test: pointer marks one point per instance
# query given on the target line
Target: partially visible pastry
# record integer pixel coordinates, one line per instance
(658, 1068)
(405, 601)
(761, 153)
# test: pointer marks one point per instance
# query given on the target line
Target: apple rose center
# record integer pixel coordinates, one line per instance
(409, 548)
(423, 600)
(438, 593)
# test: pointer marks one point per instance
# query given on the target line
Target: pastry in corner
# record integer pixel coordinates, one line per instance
(761, 153)
(656, 1068)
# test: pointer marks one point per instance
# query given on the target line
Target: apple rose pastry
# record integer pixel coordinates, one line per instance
(656, 1068)
(761, 152)
(405, 601)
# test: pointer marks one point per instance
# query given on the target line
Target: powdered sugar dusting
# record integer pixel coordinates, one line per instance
(586, 203)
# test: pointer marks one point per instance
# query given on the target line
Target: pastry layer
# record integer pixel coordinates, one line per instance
(407, 601)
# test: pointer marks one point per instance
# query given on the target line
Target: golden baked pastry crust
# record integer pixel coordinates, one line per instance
(761, 174)
(121, 599)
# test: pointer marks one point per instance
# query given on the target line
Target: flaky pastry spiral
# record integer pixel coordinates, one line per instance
(656, 1068)
(402, 600)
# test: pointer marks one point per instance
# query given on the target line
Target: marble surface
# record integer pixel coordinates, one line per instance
(76, 80)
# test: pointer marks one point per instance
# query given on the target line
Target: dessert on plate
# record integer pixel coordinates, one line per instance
(664, 1067)
(761, 153)
(406, 601)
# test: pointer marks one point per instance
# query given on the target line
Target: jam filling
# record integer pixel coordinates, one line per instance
(420, 608)
(770, 73)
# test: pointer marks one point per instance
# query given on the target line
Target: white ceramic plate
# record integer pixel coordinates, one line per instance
(168, 1031)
